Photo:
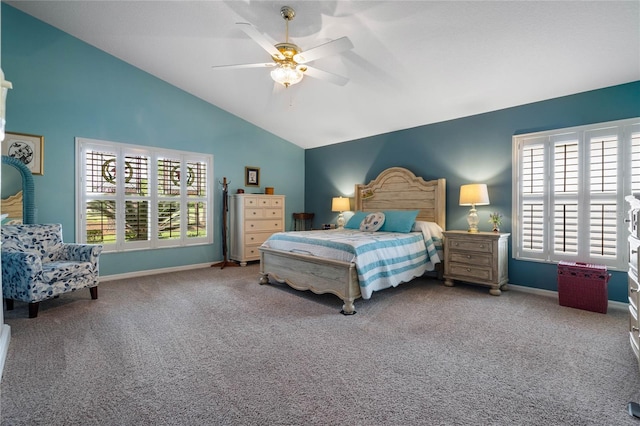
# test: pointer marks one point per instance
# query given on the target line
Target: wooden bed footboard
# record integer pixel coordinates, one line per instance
(304, 272)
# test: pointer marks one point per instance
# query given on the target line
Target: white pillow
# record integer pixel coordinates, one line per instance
(372, 222)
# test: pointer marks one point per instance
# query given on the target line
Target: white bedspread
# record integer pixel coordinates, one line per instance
(382, 259)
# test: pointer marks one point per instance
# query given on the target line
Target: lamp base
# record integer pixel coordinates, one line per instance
(340, 221)
(473, 220)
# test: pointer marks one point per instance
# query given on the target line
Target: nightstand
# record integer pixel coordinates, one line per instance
(478, 258)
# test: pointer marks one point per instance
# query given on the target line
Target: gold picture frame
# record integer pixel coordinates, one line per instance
(251, 176)
(27, 148)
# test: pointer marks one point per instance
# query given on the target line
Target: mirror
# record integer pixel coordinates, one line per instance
(26, 179)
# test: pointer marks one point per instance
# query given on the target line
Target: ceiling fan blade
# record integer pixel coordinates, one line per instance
(329, 48)
(238, 66)
(327, 76)
(253, 32)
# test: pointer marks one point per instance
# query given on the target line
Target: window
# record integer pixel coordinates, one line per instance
(569, 188)
(132, 197)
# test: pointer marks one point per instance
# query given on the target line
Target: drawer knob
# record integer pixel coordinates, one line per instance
(252, 225)
(456, 244)
(481, 245)
(634, 251)
(633, 290)
(627, 220)
(468, 257)
(468, 269)
(634, 328)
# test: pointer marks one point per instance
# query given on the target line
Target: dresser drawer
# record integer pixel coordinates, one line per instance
(255, 213)
(470, 258)
(634, 255)
(474, 273)
(270, 201)
(273, 213)
(252, 252)
(634, 331)
(464, 244)
(634, 222)
(256, 238)
(251, 202)
(263, 225)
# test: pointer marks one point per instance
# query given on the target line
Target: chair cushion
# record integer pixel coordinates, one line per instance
(62, 271)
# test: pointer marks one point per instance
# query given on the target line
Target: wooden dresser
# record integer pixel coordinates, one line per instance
(479, 258)
(634, 289)
(253, 218)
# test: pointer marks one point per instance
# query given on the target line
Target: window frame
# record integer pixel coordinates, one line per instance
(120, 197)
(627, 132)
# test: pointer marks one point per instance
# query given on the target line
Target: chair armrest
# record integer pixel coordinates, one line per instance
(20, 267)
(80, 252)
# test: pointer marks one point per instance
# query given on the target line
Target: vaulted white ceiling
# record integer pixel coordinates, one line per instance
(414, 62)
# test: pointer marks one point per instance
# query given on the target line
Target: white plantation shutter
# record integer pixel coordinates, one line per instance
(133, 197)
(532, 190)
(569, 188)
(564, 197)
(635, 158)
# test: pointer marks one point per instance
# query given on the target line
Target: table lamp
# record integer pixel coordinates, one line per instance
(472, 195)
(340, 204)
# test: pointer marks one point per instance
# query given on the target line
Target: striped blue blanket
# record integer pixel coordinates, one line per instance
(382, 259)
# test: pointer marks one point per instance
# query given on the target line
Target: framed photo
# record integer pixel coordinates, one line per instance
(27, 148)
(251, 176)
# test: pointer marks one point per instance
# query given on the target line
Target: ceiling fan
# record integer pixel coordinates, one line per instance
(289, 60)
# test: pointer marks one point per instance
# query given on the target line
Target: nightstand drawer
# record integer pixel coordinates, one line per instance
(472, 272)
(464, 244)
(471, 258)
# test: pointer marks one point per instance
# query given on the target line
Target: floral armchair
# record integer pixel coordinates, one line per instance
(37, 265)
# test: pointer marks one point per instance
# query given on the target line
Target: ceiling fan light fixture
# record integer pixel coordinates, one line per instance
(286, 74)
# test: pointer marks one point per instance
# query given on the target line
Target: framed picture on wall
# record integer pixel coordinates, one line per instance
(251, 176)
(27, 148)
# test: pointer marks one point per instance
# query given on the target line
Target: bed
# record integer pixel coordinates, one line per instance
(395, 189)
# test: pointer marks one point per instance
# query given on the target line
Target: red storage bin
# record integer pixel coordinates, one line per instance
(583, 286)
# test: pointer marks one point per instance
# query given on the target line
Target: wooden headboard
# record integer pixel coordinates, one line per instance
(399, 189)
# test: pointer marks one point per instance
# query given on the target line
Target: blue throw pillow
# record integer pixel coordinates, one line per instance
(399, 220)
(354, 222)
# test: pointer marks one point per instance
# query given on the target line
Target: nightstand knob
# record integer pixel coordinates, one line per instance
(634, 251)
(627, 220)
(468, 269)
(468, 257)
(634, 328)
(481, 245)
(633, 290)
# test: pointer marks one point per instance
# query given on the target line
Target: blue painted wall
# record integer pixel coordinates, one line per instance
(64, 88)
(466, 150)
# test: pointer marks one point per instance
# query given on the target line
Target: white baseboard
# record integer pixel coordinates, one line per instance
(135, 274)
(549, 293)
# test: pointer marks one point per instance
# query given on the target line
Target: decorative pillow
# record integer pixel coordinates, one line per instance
(399, 220)
(356, 219)
(372, 222)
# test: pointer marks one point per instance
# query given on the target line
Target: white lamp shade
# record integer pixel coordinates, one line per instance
(340, 204)
(474, 194)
